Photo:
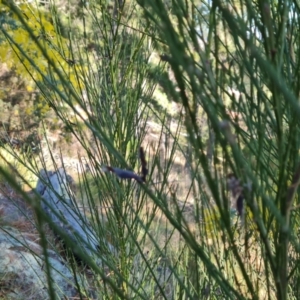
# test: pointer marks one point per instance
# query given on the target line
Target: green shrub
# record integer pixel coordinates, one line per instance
(231, 69)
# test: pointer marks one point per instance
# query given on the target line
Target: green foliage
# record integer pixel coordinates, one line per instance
(232, 70)
(33, 47)
(14, 165)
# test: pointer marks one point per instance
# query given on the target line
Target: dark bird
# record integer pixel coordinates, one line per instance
(127, 174)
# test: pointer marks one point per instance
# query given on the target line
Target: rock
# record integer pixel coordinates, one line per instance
(59, 203)
(22, 269)
(22, 264)
(11, 211)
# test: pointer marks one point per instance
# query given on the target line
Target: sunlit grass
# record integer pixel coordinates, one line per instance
(17, 168)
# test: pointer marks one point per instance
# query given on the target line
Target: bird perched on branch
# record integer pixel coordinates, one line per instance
(127, 174)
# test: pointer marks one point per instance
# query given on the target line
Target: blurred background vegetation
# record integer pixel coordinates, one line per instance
(210, 90)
